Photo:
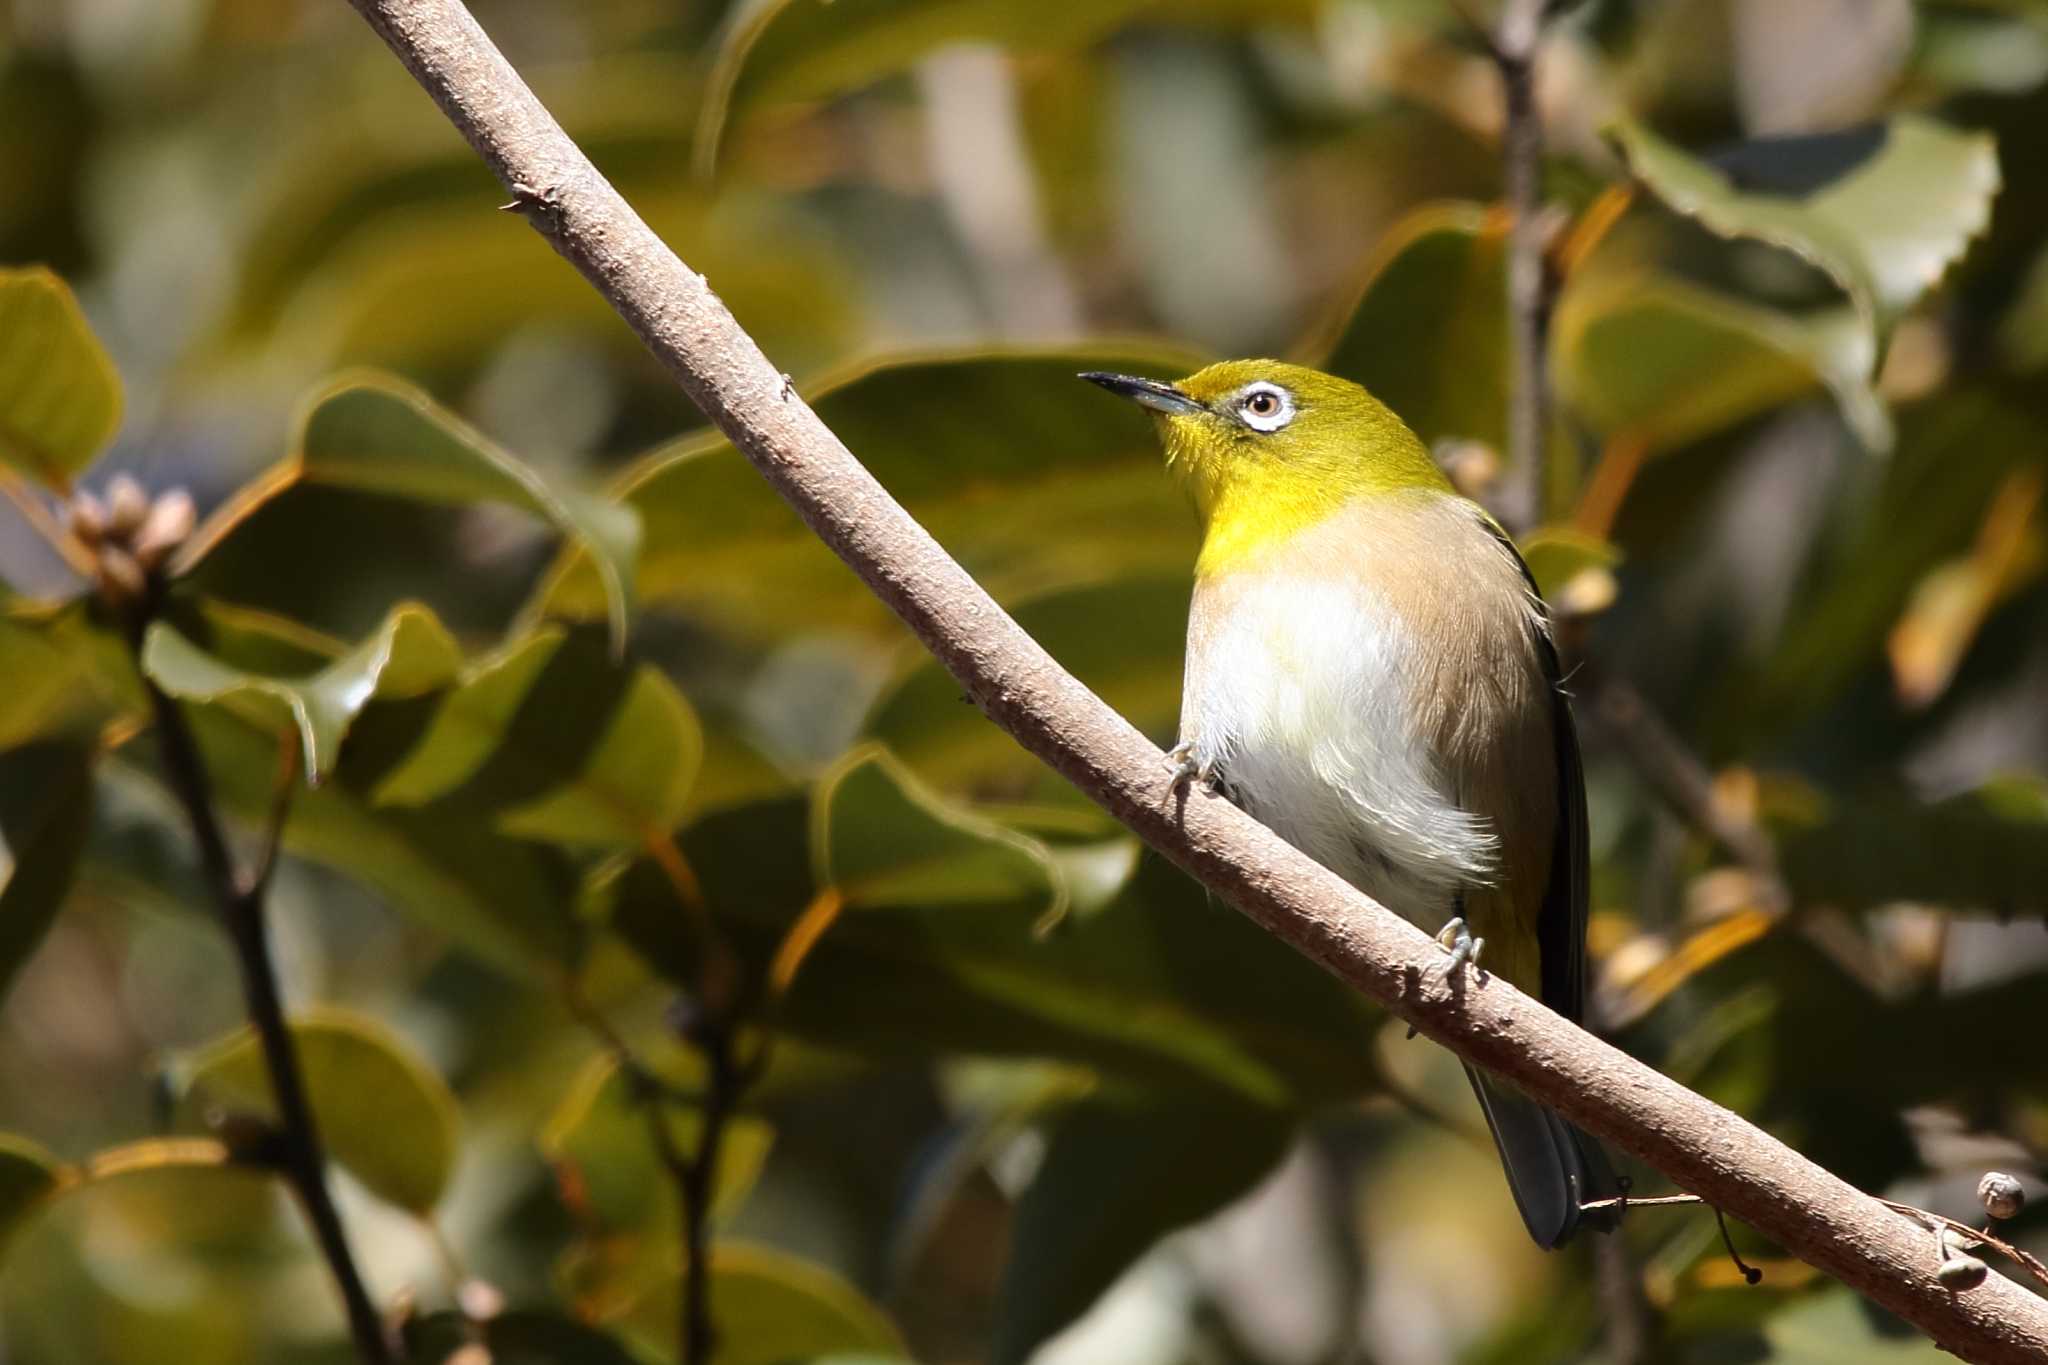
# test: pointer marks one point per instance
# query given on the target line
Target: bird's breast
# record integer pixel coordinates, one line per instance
(1337, 709)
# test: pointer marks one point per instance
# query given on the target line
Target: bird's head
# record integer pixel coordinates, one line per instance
(1261, 439)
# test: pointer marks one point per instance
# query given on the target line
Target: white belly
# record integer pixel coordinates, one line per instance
(1299, 694)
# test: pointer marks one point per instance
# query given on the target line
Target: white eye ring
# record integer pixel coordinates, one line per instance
(1265, 407)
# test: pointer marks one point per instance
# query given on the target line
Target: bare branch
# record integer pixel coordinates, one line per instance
(1696, 1143)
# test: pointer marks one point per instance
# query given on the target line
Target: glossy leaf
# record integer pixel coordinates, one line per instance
(28, 1176)
(1953, 456)
(1125, 639)
(1119, 1174)
(1985, 850)
(66, 674)
(879, 837)
(60, 399)
(1160, 983)
(954, 436)
(1427, 332)
(378, 435)
(782, 51)
(559, 744)
(382, 1112)
(46, 804)
(1884, 211)
(1557, 554)
(1662, 363)
(1835, 1327)
(409, 655)
(520, 1337)
(599, 1136)
(507, 901)
(772, 1308)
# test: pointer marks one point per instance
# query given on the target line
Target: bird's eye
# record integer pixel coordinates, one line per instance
(1266, 407)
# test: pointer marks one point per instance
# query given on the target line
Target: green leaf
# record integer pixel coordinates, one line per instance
(517, 1338)
(772, 1308)
(28, 1176)
(1427, 331)
(66, 674)
(559, 744)
(381, 1111)
(1118, 1174)
(1883, 211)
(412, 653)
(1835, 1327)
(1158, 984)
(1654, 361)
(60, 398)
(1557, 554)
(1984, 850)
(507, 901)
(783, 51)
(601, 1132)
(956, 437)
(1126, 639)
(1954, 453)
(375, 434)
(880, 837)
(46, 804)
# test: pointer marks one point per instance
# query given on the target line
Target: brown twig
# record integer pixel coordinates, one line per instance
(2026, 1260)
(1684, 783)
(1531, 285)
(1693, 1141)
(241, 901)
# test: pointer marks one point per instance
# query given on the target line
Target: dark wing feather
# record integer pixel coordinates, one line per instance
(1561, 924)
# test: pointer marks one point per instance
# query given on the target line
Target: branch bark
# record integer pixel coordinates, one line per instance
(1699, 1145)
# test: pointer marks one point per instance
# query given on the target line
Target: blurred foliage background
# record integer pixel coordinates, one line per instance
(613, 760)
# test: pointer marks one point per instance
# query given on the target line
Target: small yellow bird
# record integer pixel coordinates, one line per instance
(1370, 674)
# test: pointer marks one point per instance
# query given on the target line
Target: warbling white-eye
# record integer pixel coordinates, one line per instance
(1370, 673)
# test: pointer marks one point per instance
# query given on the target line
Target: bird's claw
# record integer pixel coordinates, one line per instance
(1456, 939)
(1185, 767)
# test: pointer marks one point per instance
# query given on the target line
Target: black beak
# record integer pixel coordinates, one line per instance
(1146, 392)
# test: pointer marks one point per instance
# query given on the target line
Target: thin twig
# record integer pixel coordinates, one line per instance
(1683, 781)
(698, 1181)
(1694, 1142)
(304, 1163)
(2026, 1260)
(282, 790)
(1530, 281)
(66, 547)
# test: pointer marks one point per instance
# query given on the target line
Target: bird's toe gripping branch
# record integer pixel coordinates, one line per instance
(1186, 767)
(1456, 939)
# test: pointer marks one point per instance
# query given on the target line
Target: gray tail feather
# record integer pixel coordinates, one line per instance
(1552, 1167)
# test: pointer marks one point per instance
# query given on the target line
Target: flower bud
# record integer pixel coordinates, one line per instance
(170, 520)
(87, 517)
(121, 578)
(2001, 1195)
(127, 505)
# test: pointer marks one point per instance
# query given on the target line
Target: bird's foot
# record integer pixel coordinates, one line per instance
(1186, 767)
(1456, 939)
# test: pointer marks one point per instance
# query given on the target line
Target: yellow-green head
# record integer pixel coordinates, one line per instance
(1268, 449)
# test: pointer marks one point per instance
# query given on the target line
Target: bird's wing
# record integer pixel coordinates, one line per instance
(1561, 923)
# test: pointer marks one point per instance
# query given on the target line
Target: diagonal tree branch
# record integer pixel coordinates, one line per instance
(1698, 1144)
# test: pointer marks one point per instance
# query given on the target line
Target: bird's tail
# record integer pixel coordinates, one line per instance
(1552, 1167)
